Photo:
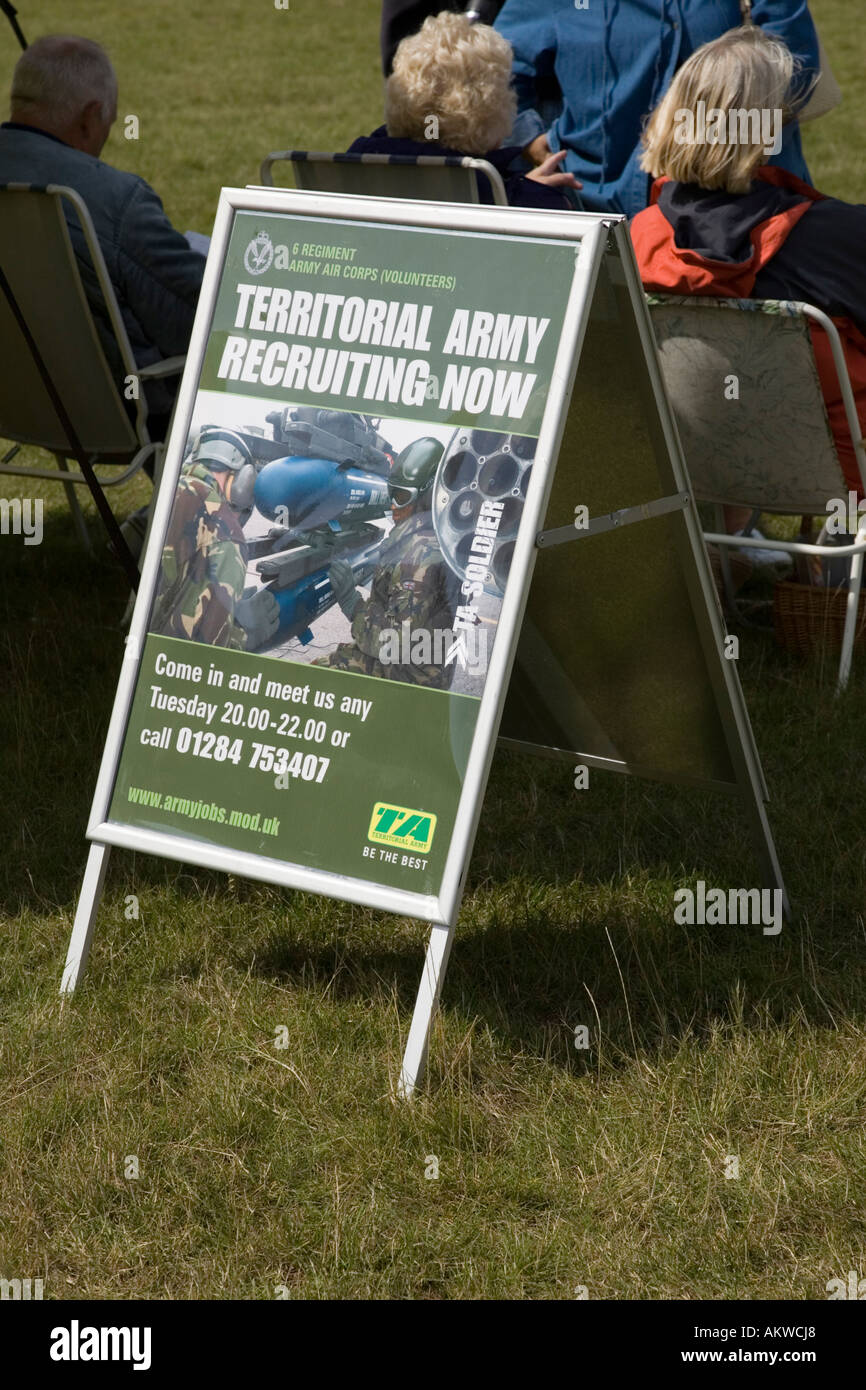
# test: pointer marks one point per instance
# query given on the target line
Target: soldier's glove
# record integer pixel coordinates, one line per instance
(342, 582)
(276, 534)
(258, 613)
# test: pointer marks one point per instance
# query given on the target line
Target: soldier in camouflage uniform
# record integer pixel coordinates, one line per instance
(204, 558)
(412, 583)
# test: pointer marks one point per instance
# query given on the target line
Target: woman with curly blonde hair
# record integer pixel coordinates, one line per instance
(450, 93)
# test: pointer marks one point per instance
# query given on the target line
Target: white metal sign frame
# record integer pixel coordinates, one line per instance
(589, 235)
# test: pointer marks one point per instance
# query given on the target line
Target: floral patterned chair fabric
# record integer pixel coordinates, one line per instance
(744, 388)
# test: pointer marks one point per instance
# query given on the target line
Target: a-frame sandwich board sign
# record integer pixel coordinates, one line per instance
(342, 339)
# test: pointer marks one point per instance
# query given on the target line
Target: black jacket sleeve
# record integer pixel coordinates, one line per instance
(402, 17)
(822, 262)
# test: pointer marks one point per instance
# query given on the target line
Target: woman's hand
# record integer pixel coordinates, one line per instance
(538, 149)
(548, 173)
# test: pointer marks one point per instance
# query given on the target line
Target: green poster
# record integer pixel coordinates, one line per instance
(344, 512)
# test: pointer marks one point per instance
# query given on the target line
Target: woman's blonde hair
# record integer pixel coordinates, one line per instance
(451, 83)
(741, 75)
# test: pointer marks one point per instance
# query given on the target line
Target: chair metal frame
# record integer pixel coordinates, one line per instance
(168, 366)
(299, 158)
(857, 549)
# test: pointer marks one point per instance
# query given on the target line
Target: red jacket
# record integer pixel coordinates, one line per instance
(670, 269)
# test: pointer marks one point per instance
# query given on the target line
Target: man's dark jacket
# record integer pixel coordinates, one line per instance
(155, 275)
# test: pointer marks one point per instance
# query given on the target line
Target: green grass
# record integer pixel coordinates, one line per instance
(558, 1168)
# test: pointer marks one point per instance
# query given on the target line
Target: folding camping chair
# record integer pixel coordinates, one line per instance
(39, 265)
(770, 446)
(447, 178)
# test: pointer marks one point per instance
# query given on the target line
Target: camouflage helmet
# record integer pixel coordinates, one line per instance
(411, 478)
(221, 448)
(217, 449)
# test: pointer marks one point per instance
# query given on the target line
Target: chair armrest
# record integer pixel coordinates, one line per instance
(267, 164)
(168, 366)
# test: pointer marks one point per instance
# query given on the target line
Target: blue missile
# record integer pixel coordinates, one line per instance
(302, 604)
(309, 598)
(306, 492)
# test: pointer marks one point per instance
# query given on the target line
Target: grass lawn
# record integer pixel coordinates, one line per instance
(263, 1167)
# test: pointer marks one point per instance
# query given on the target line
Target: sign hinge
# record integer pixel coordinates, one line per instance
(613, 520)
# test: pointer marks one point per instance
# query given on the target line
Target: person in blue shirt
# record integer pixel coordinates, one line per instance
(613, 60)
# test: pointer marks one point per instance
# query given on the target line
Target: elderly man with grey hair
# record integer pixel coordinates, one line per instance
(63, 105)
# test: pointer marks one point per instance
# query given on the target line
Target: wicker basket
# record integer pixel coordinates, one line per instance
(807, 616)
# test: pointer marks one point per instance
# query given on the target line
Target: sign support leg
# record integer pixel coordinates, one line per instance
(85, 916)
(415, 1056)
(765, 846)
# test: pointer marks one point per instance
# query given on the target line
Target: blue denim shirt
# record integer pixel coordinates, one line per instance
(614, 60)
(155, 274)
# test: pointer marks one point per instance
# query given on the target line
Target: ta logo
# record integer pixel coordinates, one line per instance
(259, 255)
(401, 826)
